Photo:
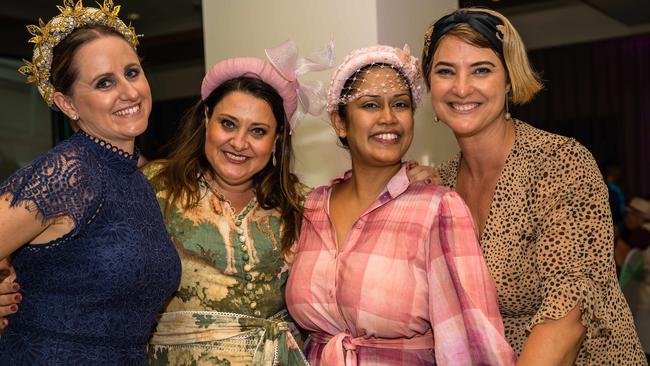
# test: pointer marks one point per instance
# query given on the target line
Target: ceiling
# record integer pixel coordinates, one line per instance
(628, 12)
(165, 25)
(172, 29)
(549, 23)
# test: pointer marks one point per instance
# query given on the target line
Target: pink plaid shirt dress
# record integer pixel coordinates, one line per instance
(409, 286)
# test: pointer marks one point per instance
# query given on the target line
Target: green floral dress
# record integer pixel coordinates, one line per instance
(229, 308)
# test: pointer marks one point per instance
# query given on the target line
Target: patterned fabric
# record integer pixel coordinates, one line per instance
(411, 266)
(231, 287)
(548, 242)
(92, 296)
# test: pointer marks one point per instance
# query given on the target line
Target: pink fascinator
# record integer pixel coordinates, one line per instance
(281, 71)
(399, 59)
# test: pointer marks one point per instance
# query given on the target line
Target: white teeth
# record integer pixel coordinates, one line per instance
(387, 136)
(235, 157)
(128, 111)
(464, 107)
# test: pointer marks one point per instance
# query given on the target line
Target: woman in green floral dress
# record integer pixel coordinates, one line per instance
(233, 208)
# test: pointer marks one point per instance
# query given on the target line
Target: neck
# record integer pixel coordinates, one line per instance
(237, 194)
(485, 152)
(367, 182)
(127, 146)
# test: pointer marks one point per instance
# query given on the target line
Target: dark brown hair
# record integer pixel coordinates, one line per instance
(63, 71)
(275, 187)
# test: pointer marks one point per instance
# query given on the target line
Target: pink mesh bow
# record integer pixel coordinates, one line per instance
(311, 96)
(281, 72)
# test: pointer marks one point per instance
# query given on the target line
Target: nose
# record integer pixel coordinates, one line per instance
(462, 85)
(387, 115)
(128, 91)
(238, 141)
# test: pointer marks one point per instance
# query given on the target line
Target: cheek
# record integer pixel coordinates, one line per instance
(264, 147)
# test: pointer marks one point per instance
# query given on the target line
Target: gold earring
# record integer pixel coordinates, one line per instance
(436, 119)
(74, 117)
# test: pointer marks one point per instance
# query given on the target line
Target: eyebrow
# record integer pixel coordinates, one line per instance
(100, 76)
(107, 74)
(254, 124)
(379, 96)
(475, 64)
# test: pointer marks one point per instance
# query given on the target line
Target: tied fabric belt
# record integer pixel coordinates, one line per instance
(341, 348)
(273, 341)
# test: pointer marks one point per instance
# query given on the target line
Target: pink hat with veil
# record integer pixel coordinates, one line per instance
(281, 72)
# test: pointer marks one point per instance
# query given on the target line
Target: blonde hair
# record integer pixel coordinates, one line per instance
(524, 81)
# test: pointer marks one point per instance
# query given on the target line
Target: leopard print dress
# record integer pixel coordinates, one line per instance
(548, 242)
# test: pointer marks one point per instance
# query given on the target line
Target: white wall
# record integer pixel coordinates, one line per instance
(246, 27)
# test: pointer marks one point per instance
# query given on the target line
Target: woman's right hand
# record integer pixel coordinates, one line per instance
(9, 295)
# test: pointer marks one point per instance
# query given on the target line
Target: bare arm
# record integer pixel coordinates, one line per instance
(554, 342)
(18, 226)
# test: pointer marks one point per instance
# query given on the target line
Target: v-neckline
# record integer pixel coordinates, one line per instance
(497, 186)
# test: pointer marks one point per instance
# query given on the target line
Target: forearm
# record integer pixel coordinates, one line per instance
(554, 342)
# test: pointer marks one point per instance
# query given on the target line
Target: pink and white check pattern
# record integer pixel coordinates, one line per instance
(411, 266)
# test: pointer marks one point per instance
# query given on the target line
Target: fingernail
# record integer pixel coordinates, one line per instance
(15, 287)
(18, 298)
(427, 181)
(13, 308)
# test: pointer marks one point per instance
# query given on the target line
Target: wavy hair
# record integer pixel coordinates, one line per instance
(275, 186)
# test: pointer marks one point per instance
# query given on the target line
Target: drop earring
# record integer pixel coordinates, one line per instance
(507, 116)
(435, 118)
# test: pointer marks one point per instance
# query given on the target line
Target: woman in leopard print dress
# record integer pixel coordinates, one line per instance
(538, 200)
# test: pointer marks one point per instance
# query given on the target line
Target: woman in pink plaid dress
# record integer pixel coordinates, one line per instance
(386, 273)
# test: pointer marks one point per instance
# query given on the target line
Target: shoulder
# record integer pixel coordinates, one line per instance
(152, 171)
(152, 168)
(448, 171)
(540, 144)
(435, 197)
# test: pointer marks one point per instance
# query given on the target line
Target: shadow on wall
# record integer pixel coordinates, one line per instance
(7, 166)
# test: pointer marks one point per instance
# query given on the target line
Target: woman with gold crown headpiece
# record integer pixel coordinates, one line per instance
(81, 224)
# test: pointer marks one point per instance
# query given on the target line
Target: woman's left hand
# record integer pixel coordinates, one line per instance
(9, 296)
(422, 173)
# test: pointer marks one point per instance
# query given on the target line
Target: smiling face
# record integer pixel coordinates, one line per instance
(110, 95)
(240, 135)
(378, 122)
(468, 86)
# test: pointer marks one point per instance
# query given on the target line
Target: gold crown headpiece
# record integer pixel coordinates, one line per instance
(47, 36)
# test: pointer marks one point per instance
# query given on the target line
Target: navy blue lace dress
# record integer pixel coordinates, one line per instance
(92, 296)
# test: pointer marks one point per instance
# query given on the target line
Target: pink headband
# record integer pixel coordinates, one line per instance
(401, 59)
(281, 72)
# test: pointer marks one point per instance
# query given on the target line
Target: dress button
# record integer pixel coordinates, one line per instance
(238, 222)
(257, 313)
(240, 231)
(248, 277)
(243, 248)
(242, 239)
(250, 286)
(253, 305)
(245, 257)
(247, 267)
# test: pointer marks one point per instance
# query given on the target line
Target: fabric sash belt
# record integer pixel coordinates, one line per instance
(187, 327)
(341, 349)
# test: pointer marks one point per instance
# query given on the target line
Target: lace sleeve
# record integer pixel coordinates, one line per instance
(64, 182)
